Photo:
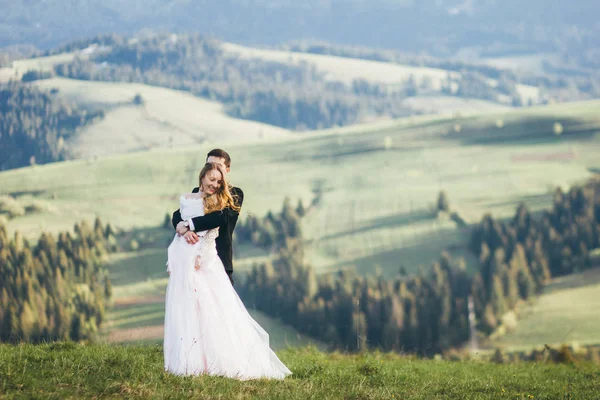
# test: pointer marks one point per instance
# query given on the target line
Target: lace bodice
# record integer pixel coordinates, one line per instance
(191, 206)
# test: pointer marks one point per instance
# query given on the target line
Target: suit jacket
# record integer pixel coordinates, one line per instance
(225, 220)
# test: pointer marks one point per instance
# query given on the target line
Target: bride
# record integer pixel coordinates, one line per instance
(207, 327)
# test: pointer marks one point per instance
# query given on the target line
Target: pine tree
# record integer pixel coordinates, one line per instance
(442, 202)
(38, 288)
(497, 297)
(300, 210)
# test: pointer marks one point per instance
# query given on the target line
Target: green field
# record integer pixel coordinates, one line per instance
(168, 118)
(566, 312)
(67, 370)
(177, 115)
(379, 185)
(349, 69)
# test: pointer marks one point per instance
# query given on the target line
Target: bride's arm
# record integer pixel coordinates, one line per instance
(218, 218)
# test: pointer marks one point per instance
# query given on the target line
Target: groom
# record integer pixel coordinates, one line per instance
(225, 220)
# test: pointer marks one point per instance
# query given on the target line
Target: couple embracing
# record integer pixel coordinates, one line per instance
(207, 327)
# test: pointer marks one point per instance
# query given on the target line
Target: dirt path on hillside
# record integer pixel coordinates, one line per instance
(136, 334)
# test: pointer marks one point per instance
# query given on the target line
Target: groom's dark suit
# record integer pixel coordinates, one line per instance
(225, 220)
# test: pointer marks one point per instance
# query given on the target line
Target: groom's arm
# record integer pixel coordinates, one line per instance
(218, 218)
(213, 220)
(176, 218)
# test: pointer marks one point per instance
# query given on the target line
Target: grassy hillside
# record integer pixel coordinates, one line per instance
(43, 64)
(373, 71)
(168, 118)
(378, 183)
(178, 112)
(567, 311)
(349, 69)
(66, 370)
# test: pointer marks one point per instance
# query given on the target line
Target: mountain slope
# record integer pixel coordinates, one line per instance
(167, 118)
(488, 163)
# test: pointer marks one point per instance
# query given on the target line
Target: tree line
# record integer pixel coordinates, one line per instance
(563, 84)
(56, 289)
(519, 256)
(271, 231)
(427, 313)
(396, 57)
(291, 96)
(295, 96)
(560, 83)
(298, 96)
(424, 313)
(35, 125)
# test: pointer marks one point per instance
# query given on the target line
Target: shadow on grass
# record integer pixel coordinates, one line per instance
(390, 221)
(530, 201)
(574, 281)
(135, 267)
(424, 253)
(528, 130)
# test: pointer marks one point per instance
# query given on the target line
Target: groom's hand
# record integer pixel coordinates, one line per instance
(191, 237)
(181, 228)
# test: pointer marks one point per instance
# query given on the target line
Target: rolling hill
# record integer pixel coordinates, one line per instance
(167, 118)
(378, 183)
(173, 118)
(347, 70)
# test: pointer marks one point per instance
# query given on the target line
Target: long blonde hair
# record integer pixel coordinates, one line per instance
(222, 198)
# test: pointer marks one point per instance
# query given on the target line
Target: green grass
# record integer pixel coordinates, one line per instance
(66, 370)
(566, 312)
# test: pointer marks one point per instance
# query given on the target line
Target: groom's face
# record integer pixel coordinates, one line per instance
(218, 160)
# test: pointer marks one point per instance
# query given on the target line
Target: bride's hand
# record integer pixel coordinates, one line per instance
(191, 237)
(181, 228)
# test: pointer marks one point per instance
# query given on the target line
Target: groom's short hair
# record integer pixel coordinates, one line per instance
(220, 153)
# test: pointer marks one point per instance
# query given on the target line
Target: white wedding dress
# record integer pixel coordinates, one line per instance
(207, 328)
